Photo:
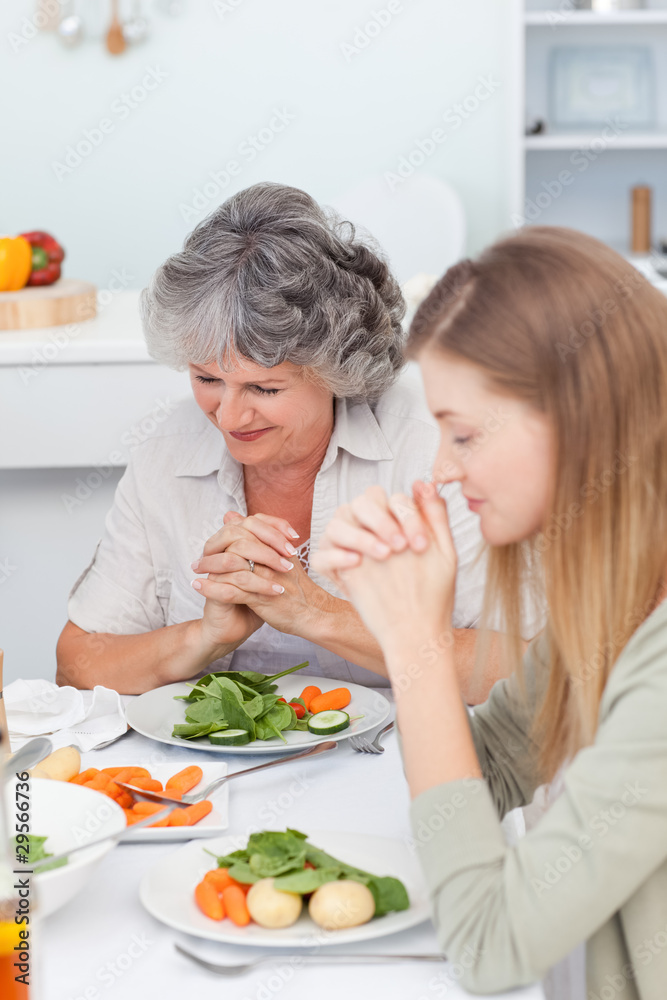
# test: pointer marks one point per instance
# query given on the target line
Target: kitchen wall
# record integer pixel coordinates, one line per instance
(317, 95)
(120, 157)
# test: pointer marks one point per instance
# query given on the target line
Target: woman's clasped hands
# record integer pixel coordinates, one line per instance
(394, 558)
(277, 590)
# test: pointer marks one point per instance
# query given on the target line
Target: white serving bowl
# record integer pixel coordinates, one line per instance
(69, 815)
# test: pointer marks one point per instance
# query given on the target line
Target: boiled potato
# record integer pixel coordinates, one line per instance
(345, 903)
(269, 907)
(61, 765)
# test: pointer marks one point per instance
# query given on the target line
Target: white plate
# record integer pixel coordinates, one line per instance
(167, 892)
(155, 713)
(210, 826)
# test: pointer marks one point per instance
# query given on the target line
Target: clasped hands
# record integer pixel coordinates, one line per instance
(393, 558)
(278, 591)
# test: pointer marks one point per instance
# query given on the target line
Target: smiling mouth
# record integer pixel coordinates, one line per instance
(249, 435)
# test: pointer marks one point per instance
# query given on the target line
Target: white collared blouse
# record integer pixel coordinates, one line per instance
(181, 481)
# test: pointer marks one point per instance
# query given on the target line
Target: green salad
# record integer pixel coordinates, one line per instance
(234, 707)
(36, 852)
(297, 866)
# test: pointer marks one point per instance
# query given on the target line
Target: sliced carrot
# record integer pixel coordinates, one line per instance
(208, 901)
(308, 694)
(185, 779)
(219, 877)
(330, 701)
(191, 814)
(233, 898)
(84, 776)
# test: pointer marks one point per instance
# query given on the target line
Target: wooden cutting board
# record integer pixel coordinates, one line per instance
(66, 301)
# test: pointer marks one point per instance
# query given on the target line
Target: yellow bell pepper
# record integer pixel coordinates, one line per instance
(15, 263)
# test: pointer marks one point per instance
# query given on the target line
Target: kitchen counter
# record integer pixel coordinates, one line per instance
(80, 395)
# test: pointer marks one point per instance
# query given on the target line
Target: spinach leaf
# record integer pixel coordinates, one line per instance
(242, 872)
(205, 711)
(292, 718)
(225, 860)
(219, 684)
(254, 706)
(235, 714)
(265, 729)
(272, 853)
(268, 701)
(191, 730)
(37, 853)
(306, 880)
(389, 894)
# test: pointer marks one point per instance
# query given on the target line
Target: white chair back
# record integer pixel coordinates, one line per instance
(419, 223)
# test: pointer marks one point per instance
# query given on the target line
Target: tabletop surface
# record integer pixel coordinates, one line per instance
(103, 945)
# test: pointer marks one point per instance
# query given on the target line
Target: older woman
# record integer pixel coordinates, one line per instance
(290, 326)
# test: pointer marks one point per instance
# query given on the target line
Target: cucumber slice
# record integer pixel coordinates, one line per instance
(230, 738)
(325, 723)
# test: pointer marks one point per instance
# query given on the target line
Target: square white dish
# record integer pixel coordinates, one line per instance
(210, 826)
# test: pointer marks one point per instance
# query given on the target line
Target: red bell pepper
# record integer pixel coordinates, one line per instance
(47, 256)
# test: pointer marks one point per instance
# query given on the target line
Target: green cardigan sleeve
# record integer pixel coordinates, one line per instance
(501, 732)
(506, 915)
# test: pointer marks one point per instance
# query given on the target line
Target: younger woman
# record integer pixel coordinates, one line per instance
(545, 365)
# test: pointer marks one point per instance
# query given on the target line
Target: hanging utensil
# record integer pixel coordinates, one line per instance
(136, 29)
(47, 15)
(115, 39)
(70, 28)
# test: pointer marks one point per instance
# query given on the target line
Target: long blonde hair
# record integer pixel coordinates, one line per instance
(560, 320)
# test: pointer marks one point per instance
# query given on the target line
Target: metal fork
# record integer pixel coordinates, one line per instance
(363, 745)
(243, 968)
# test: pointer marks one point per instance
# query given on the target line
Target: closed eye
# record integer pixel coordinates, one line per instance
(255, 388)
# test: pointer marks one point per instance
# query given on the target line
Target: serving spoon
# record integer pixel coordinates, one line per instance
(188, 800)
(27, 756)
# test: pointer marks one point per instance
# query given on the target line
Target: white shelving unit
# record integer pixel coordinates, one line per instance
(583, 178)
(590, 18)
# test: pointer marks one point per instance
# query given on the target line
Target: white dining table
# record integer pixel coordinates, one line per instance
(103, 945)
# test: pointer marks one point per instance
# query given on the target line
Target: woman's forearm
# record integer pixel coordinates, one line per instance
(132, 664)
(432, 719)
(339, 628)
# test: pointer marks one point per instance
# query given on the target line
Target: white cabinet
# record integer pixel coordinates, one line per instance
(73, 400)
(82, 395)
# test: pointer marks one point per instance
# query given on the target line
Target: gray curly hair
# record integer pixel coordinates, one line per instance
(271, 276)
